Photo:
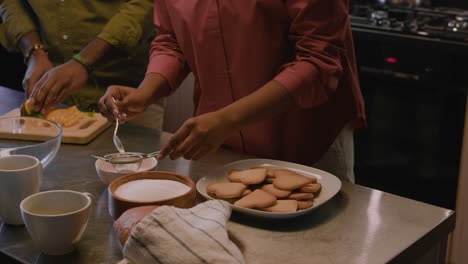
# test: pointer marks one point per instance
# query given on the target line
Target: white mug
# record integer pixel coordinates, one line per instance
(57, 219)
(20, 176)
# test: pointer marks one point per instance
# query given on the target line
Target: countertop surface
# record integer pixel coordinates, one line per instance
(359, 225)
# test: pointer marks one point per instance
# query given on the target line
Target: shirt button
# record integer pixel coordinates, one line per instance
(65, 37)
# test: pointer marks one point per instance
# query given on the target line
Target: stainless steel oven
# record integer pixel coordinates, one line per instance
(415, 90)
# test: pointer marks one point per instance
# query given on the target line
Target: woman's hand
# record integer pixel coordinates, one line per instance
(58, 83)
(199, 136)
(129, 103)
(38, 64)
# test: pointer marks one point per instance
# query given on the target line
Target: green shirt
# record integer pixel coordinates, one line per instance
(67, 26)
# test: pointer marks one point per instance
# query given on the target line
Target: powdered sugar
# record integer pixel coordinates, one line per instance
(151, 190)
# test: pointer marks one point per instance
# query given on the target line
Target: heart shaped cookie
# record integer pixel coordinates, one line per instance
(282, 206)
(226, 189)
(248, 177)
(289, 180)
(257, 199)
(270, 188)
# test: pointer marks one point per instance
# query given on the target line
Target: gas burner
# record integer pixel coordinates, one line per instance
(441, 23)
(379, 18)
(460, 23)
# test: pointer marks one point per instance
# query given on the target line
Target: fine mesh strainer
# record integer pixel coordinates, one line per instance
(126, 161)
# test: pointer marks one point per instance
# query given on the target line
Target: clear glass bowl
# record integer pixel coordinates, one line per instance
(30, 136)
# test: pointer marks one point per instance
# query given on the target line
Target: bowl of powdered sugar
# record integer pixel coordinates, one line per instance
(150, 188)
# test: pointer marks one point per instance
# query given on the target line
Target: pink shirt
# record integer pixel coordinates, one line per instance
(234, 47)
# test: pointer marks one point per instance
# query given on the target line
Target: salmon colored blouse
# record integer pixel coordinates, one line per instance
(234, 47)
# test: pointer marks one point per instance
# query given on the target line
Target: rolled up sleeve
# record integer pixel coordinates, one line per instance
(132, 23)
(318, 30)
(166, 57)
(17, 21)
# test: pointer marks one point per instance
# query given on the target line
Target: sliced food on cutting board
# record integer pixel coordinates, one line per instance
(78, 127)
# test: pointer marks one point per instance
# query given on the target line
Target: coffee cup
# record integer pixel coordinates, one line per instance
(20, 176)
(57, 219)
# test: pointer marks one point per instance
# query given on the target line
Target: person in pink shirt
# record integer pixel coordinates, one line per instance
(273, 78)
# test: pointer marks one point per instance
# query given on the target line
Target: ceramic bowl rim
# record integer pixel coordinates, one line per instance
(116, 172)
(191, 185)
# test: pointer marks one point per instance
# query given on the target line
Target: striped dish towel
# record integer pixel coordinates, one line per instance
(174, 235)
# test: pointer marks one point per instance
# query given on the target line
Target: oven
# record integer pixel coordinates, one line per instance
(415, 90)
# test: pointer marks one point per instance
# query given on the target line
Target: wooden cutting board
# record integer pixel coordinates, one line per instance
(81, 133)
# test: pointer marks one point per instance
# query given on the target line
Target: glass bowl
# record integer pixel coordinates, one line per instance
(33, 136)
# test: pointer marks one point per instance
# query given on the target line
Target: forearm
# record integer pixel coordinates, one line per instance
(96, 51)
(155, 86)
(265, 103)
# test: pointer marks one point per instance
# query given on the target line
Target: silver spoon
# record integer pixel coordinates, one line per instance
(118, 144)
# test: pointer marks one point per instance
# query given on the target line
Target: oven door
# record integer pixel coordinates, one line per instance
(415, 118)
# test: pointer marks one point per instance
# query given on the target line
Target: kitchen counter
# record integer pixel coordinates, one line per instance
(359, 225)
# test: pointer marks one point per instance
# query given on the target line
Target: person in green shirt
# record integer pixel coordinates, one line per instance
(75, 49)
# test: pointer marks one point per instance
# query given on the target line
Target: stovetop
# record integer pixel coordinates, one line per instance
(441, 23)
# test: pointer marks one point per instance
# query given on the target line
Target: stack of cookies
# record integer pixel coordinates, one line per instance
(266, 189)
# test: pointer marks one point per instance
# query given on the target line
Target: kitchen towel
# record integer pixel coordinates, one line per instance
(174, 235)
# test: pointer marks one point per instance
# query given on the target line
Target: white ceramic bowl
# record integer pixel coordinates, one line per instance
(107, 173)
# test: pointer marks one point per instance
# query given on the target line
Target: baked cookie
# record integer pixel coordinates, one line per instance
(311, 188)
(233, 176)
(246, 192)
(257, 199)
(248, 177)
(289, 180)
(301, 196)
(270, 172)
(226, 189)
(270, 188)
(301, 205)
(282, 206)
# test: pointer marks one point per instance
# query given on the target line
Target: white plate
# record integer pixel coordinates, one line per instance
(331, 185)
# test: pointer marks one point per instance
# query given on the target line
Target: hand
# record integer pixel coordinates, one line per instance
(199, 136)
(129, 219)
(129, 103)
(58, 83)
(38, 64)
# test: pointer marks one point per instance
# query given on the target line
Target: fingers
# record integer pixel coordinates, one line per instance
(51, 98)
(60, 97)
(28, 85)
(187, 147)
(110, 108)
(40, 91)
(175, 140)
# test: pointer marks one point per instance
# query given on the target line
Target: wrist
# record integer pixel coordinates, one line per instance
(38, 54)
(83, 62)
(155, 85)
(231, 119)
(34, 50)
